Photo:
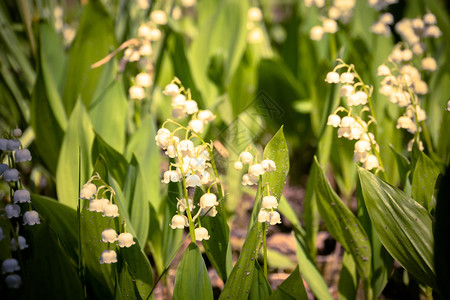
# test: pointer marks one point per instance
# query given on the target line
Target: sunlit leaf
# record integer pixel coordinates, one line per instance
(424, 179)
(291, 288)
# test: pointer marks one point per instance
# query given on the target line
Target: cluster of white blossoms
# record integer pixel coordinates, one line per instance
(11, 148)
(255, 168)
(141, 50)
(267, 213)
(98, 202)
(192, 166)
(67, 31)
(381, 27)
(254, 17)
(414, 31)
(352, 127)
(340, 10)
(402, 85)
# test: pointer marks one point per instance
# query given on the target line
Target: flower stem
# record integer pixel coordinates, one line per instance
(265, 249)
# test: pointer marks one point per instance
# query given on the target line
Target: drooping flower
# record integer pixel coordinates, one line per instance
(109, 235)
(31, 218)
(238, 165)
(256, 170)
(201, 234)
(171, 176)
(246, 157)
(108, 257)
(263, 216)
(22, 243)
(11, 175)
(22, 196)
(12, 210)
(193, 181)
(179, 221)
(126, 240)
(274, 218)
(87, 191)
(13, 145)
(97, 205)
(171, 90)
(197, 125)
(334, 120)
(13, 281)
(332, 77)
(136, 92)
(111, 210)
(159, 17)
(268, 165)
(208, 200)
(269, 202)
(10, 265)
(22, 155)
(3, 168)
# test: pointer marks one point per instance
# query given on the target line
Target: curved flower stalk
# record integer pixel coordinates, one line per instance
(194, 164)
(359, 115)
(102, 199)
(18, 208)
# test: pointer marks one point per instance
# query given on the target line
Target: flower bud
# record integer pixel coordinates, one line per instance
(17, 132)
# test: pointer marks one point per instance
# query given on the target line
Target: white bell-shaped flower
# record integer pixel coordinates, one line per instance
(206, 116)
(171, 151)
(171, 176)
(332, 77)
(126, 240)
(179, 100)
(10, 265)
(22, 196)
(208, 200)
(371, 162)
(136, 92)
(108, 257)
(197, 125)
(144, 79)
(197, 164)
(209, 212)
(88, 190)
(179, 221)
(263, 216)
(274, 218)
(3, 168)
(248, 179)
(190, 107)
(238, 165)
(109, 235)
(12, 210)
(362, 146)
(316, 33)
(163, 138)
(181, 205)
(97, 205)
(268, 165)
(254, 14)
(31, 218)
(256, 170)
(205, 178)
(179, 112)
(171, 89)
(334, 120)
(11, 175)
(22, 155)
(269, 202)
(13, 281)
(186, 148)
(346, 77)
(159, 17)
(201, 234)
(193, 181)
(13, 145)
(246, 157)
(111, 210)
(360, 156)
(22, 243)
(3, 144)
(17, 132)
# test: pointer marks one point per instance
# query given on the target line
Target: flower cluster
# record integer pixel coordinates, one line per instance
(381, 27)
(98, 202)
(255, 169)
(193, 165)
(67, 31)
(267, 213)
(402, 85)
(352, 127)
(19, 201)
(414, 31)
(255, 33)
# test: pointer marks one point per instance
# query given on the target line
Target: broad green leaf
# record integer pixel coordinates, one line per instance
(310, 214)
(442, 242)
(403, 226)
(192, 280)
(59, 276)
(218, 35)
(137, 204)
(291, 289)
(348, 278)
(94, 40)
(260, 288)
(142, 145)
(241, 277)
(76, 145)
(109, 107)
(116, 162)
(310, 272)
(343, 225)
(61, 218)
(424, 179)
(403, 165)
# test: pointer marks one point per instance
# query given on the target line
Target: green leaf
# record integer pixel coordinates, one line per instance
(403, 226)
(76, 145)
(442, 242)
(116, 162)
(343, 225)
(424, 179)
(260, 288)
(109, 107)
(241, 277)
(402, 164)
(291, 288)
(47, 249)
(94, 40)
(61, 218)
(348, 278)
(192, 280)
